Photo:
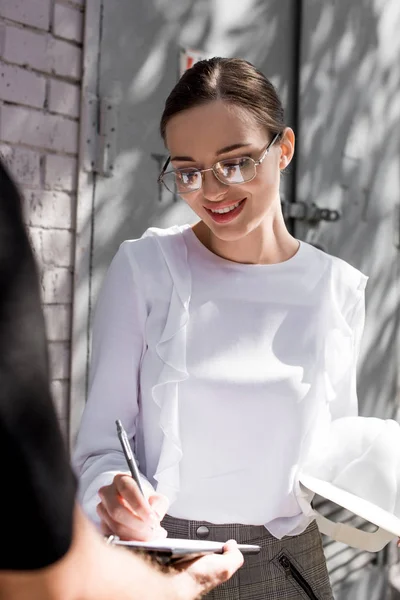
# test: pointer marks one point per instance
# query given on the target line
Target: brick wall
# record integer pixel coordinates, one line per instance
(40, 72)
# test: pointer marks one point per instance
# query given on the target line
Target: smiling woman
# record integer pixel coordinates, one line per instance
(226, 348)
(222, 137)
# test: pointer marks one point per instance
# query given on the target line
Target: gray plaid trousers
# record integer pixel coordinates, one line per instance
(293, 568)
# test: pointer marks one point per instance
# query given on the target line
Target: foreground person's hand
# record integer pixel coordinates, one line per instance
(213, 569)
(126, 513)
(93, 570)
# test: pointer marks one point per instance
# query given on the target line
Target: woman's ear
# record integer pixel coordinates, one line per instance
(287, 144)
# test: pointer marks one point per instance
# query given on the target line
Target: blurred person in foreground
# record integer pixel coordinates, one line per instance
(49, 548)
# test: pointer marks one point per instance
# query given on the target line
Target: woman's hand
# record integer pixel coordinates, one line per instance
(126, 513)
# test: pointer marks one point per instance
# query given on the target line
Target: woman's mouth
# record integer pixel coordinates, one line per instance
(227, 213)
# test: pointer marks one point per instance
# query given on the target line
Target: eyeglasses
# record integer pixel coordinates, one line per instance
(231, 171)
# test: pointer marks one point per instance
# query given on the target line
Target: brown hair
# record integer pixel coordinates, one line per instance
(231, 79)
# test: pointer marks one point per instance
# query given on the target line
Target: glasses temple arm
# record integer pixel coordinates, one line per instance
(267, 149)
(163, 169)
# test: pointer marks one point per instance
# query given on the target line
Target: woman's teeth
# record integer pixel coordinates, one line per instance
(220, 211)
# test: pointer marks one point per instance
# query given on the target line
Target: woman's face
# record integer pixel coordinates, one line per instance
(200, 137)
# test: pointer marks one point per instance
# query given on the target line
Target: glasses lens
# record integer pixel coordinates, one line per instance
(182, 181)
(235, 170)
(169, 181)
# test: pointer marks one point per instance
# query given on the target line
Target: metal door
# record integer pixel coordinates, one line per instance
(349, 160)
(132, 52)
(139, 62)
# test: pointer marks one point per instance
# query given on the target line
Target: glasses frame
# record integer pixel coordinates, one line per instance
(256, 164)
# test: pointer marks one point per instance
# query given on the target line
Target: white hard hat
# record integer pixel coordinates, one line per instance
(360, 471)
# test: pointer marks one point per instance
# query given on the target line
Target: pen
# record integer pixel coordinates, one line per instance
(123, 438)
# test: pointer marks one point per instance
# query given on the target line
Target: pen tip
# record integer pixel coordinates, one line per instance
(118, 424)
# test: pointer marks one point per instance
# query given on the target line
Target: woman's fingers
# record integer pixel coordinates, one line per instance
(116, 508)
(123, 521)
(105, 529)
(159, 503)
(135, 531)
(130, 492)
(125, 511)
(124, 493)
(105, 521)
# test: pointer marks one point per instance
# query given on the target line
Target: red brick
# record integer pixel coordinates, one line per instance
(35, 128)
(22, 86)
(57, 247)
(23, 163)
(57, 317)
(68, 22)
(61, 172)
(41, 51)
(64, 98)
(35, 13)
(56, 285)
(59, 355)
(49, 209)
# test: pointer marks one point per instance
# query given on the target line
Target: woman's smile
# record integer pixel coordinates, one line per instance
(227, 212)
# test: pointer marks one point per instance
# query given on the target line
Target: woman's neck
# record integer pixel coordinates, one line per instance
(269, 243)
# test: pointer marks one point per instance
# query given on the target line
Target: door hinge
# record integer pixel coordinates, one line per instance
(98, 134)
(311, 213)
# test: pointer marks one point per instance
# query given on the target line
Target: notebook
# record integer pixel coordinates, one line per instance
(172, 550)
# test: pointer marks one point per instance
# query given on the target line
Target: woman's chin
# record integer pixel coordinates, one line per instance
(230, 234)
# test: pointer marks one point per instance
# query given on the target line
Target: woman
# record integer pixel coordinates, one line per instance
(225, 348)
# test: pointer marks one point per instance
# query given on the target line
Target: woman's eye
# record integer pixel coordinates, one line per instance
(232, 167)
(187, 177)
(234, 164)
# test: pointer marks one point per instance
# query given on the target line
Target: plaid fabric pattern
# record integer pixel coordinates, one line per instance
(262, 577)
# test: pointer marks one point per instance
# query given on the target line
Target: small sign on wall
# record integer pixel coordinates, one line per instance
(189, 57)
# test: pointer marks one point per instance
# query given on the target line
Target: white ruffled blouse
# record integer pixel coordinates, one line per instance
(226, 376)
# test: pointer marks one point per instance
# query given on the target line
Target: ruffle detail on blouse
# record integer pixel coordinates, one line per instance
(171, 349)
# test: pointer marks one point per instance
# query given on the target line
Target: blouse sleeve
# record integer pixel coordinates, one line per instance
(345, 402)
(117, 347)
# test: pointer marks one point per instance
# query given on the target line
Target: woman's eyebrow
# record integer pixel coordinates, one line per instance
(221, 151)
(231, 148)
(183, 158)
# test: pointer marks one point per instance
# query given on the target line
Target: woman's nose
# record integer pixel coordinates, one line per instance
(213, 189)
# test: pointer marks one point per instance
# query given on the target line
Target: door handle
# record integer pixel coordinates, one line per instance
(311, 213)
